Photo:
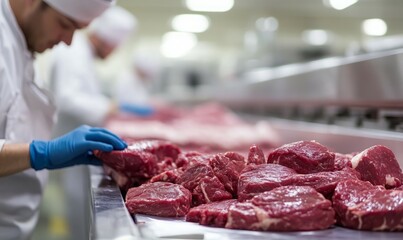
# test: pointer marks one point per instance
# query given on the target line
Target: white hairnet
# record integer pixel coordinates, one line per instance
(114, 26)
(83, 11)
(146, 63)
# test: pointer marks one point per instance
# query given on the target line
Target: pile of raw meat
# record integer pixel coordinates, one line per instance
(208, 127)
(297, 187)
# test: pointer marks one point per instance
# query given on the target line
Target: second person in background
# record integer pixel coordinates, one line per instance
(74, 81)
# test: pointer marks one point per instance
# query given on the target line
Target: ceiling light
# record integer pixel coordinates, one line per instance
(339, 4)
(209, 5)
(190, 23)
(177, 44)
(269, 24)
(374, 27)
(315, 37)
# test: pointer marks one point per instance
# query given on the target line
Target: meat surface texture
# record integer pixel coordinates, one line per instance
(343, 160)
(211, 214)
(226, 171)
(256, 155)
(360, 205)
(379, 166)
(289, 208)
(265, 177)
(205, 187)
(303, 157)
(141, 160)
(159, 199)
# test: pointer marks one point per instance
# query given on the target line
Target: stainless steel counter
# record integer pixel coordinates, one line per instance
(112, 221)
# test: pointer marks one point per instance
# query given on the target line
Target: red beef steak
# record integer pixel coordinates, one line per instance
(289, 208)
(159, 199)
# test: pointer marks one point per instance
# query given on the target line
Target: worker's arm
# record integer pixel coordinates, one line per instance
(14, 158)
(68, 150)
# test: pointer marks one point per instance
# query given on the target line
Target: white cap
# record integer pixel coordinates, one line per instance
(114, 26)
(146, 63)
(83, 11)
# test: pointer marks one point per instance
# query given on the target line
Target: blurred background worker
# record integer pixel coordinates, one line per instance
(133, 86)
(27, 112)
(73, 78)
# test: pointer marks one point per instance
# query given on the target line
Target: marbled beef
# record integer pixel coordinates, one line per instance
(379, 166)
(360, 205)
(289, 208)
(159, 199)
(260, 178)
(211, 214)
(303, 157)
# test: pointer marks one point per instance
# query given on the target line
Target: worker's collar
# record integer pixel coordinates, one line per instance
(15, 28)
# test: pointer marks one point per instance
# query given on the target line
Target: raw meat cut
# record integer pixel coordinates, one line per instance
(343, 160)
(303, 157)
(379, 166)
(226, 171)
(256, 179)
(209, 190)
(205, 187)
(211, 126)
(360, 205)
(159, 199)
(265, 177)
(237, 159)
(140, 161)
(131, 163)
(289, 208)
(161, 149)
(167, 176)
(211, 214)
(256, 155)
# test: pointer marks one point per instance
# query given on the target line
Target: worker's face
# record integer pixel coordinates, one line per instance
(103, 49)
(44, 27)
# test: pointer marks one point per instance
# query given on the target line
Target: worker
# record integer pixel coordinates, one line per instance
(80, 99)
(26, 112)
(73, 77)
(133, 85)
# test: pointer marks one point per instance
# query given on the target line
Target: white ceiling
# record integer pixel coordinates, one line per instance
(227, 29)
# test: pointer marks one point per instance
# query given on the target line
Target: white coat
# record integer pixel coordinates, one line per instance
(26, 113)
(77, 90)
(129, 88)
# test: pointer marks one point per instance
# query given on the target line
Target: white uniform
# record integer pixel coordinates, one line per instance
(79, 100)
(129, 88)
(26, 113)
(77, 90)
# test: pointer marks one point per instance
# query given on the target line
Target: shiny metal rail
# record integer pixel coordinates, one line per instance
(369, 80)
(110, 219)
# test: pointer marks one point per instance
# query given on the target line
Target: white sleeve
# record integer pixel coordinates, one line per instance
(2, 142)
(69, 76)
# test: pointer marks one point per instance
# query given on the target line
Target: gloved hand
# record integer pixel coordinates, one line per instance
(73, 148)
(136, 109)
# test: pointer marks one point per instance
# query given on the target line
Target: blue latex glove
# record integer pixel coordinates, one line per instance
(136, 109)
(73, 148)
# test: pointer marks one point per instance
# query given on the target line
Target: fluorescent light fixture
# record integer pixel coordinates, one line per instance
(339, 4)
(316, 37)
(177, 44)
(190, 23)
(210, 5)
(269, 24)
(374, 27)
